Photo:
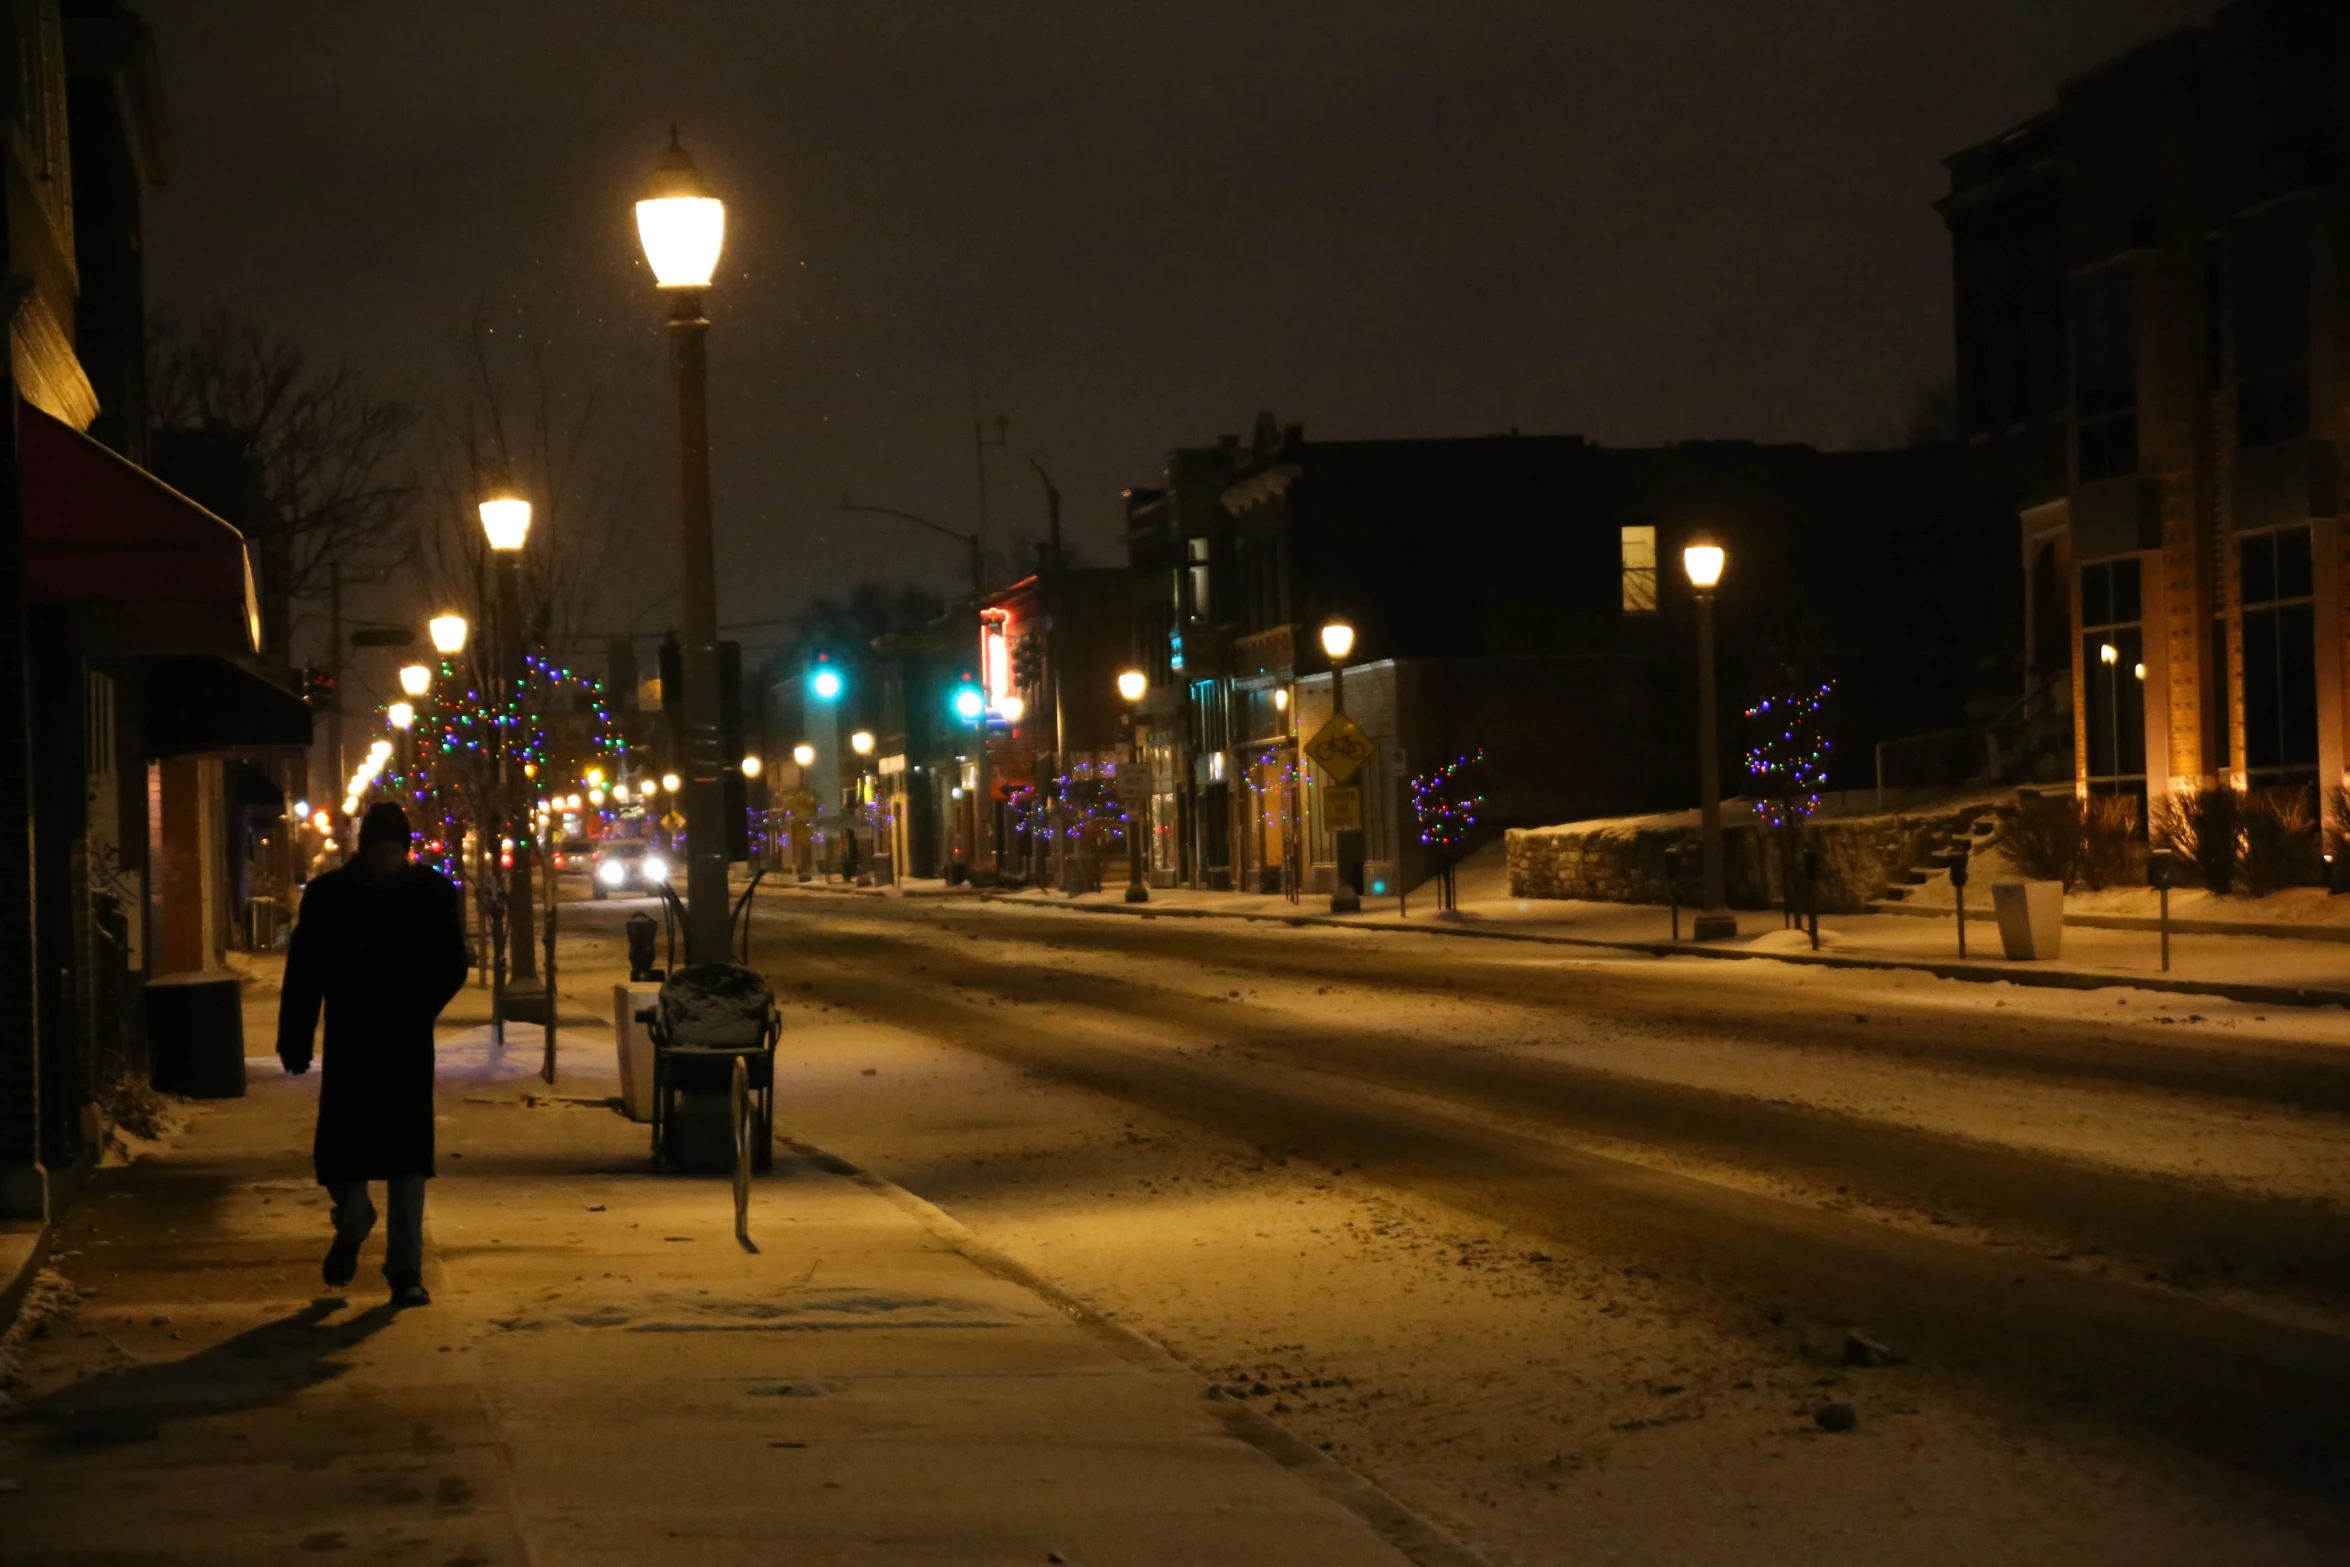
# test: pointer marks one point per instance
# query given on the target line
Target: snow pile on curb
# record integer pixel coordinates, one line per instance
(51, 1299)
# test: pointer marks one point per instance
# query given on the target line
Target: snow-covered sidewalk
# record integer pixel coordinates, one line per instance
(2311, 967)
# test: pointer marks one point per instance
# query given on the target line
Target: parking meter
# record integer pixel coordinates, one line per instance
(2162, 873)
(1673, 885)
(641, 930)
(1958, 889)
(1811, 892)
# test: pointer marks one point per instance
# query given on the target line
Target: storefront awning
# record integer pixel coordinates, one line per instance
(209, 706)
(136, 566)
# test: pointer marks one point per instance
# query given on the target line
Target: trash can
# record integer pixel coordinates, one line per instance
(196, 1035)
(2031, 918)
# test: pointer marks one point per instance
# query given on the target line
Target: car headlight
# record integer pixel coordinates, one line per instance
(612, 873)
(654, 868)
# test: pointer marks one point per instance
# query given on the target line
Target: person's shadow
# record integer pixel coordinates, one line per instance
(262, 1366)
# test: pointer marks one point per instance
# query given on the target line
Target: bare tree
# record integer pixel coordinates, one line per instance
(331, 456)
(514, 424)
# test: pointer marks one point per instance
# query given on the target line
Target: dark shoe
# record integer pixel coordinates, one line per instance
(411, 1293)
(342, 1263)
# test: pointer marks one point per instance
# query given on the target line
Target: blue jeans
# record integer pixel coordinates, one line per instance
(403, 1236)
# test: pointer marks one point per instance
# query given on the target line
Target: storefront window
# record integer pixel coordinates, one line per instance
(2113, 659)
(2280, 657)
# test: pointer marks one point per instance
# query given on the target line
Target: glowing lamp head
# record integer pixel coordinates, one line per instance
(415, 679)
(670, 782)
(752, 767)
(620, 791)
(804, 754)
(681, 225)
(1011, 708)
(1338, 640)
(301, 808)
(862, 742)
(1281, 699)
(1132, 684)
(401, 715)
(571, 803)
(448, 633)
(381, 748)
(2107, 653)
(505, 517)
(826, 684)
(350, 804)
(595, 797)
(1703, 560)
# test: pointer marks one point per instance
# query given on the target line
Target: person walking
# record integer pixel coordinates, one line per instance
(380, 944)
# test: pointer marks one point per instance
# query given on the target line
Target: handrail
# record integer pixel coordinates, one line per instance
(2018, 710)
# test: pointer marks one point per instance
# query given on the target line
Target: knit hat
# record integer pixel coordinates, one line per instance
(384, 823)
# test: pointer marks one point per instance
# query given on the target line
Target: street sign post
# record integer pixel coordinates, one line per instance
(1342, 807)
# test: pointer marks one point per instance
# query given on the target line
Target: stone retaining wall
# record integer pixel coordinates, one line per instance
(1624, 861)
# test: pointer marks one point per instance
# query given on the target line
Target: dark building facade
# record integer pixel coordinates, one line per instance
(1516, 595)
(2150, 285)
(129, 623)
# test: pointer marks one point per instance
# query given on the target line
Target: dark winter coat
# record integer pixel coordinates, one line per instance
(383, 954)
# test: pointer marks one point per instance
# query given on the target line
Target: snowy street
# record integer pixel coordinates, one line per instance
(1530, 1237)
(1109, 1239)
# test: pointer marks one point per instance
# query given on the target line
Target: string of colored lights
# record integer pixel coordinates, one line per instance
(1789, 767)
(1445, 803)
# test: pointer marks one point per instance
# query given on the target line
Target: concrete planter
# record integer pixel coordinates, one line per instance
(2031, 919)
(634, 1043)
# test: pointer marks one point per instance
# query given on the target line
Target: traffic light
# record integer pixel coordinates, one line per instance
(826, 680)
(318, 686)
(965, 700)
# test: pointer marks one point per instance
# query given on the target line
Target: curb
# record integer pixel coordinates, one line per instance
(1969, 972)
(1418, 1538)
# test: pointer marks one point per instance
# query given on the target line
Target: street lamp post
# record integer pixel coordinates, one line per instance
(448, 631)
(682, 227)
(1134, 685)
(1346, 893)
(505, 520)
(1703, 560)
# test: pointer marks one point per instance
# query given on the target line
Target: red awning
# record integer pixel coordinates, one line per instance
(137, 566)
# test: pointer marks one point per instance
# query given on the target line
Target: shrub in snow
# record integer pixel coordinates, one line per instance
(2280, 840)
(2044, 840)
(2204, 827)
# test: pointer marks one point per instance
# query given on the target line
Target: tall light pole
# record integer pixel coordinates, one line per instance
(1134, 685)
(1703, 560)
(1338, 640)
(505, 520)
(682, 227)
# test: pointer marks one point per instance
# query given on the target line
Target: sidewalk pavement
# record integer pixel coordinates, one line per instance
(2311, 970)
(605, 1374)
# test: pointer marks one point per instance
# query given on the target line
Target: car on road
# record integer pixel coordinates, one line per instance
(626, 865)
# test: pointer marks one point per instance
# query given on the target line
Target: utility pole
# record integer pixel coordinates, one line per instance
(340, 780)
(1052, 669)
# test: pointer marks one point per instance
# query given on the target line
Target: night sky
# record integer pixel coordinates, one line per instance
(1126, 226)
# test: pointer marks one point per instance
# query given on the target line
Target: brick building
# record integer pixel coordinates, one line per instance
(1519, 595)
(2152, 343)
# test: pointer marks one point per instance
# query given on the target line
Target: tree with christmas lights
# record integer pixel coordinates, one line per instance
(1447, 804)
(1787, 765)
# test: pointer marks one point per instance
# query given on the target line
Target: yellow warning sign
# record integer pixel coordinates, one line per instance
(1341, 747)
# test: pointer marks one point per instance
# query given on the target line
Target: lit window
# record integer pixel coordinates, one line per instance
(1639, 571)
